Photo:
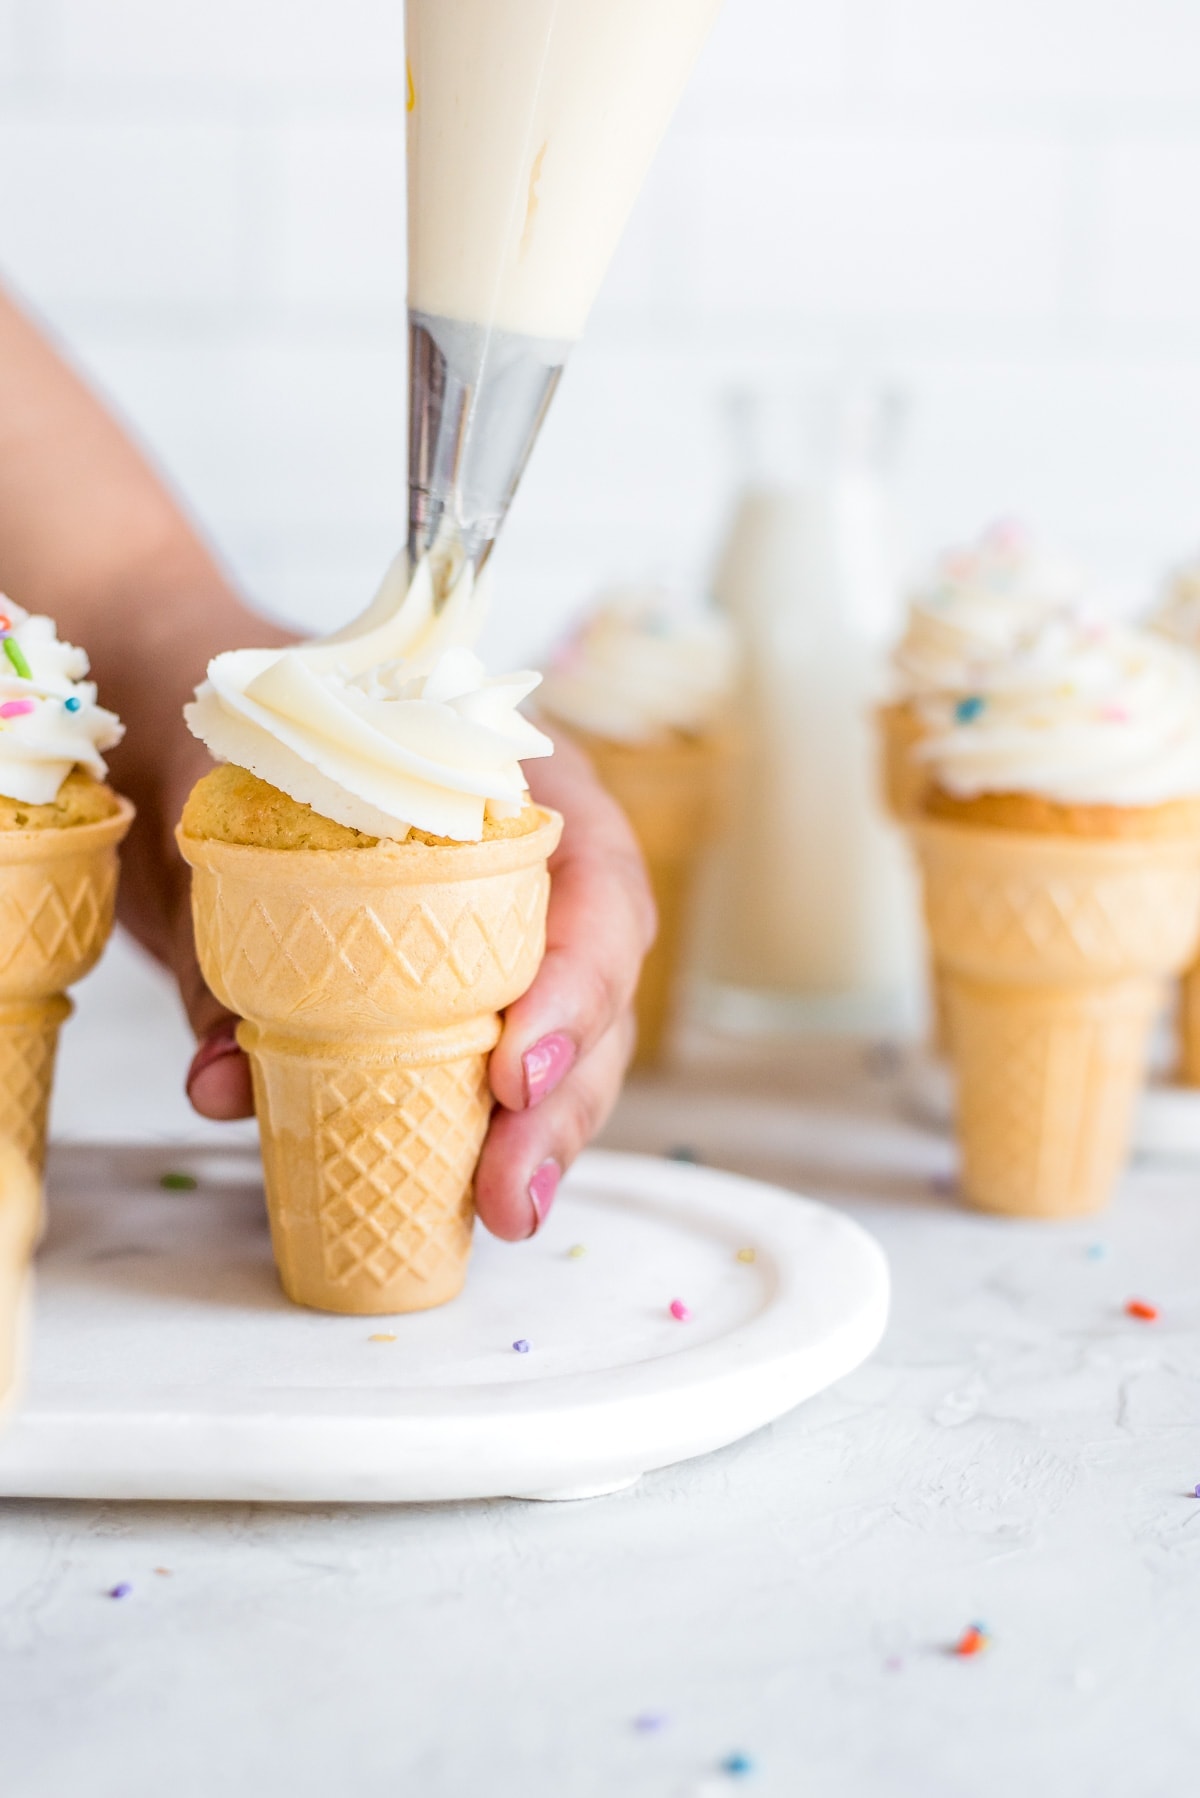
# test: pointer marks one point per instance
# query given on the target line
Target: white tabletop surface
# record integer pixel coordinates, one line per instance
(1019, 1452)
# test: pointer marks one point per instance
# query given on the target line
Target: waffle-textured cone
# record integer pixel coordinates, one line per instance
(371, 982)
(58, 889)
(1189, 1027)
(20, 1220)
(672, 793)
(1054, 953)
(900, 728)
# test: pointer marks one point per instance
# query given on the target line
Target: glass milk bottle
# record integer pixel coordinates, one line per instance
(812, 916)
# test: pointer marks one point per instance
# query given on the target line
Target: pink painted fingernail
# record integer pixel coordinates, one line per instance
(550, 1058)
(542, 1188)
(220, 1041)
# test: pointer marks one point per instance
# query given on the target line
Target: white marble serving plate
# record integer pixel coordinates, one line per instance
(166, 1363)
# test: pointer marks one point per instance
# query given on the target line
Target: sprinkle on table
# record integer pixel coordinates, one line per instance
(576, 1252)
(163, 1572)
(381, 1336)
(1096, 1251)
(650, 1722)
(16, 656)
(738, 1766)
(178, 1182)
(521, 1346)
(679, 1311)
(121, 1590)
(1145, 1312)
(747, 1255)
(973, 1640)
(968, 709)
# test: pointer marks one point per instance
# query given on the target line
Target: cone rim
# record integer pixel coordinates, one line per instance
(999, 842)
(386, 863)
(25, 847)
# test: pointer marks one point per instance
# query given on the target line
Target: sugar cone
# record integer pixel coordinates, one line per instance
(371, 982)
(1054, 953)
(1188, 1018)
(58, 889)
(672, 795)
(20, 1221)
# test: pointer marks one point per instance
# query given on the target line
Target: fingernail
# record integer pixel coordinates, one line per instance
(220, 1041)
(542, 1188)
(545, 1064)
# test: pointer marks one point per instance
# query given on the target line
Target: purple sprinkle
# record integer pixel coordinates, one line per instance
(650, 1722)
(122, 1590)
(944, 1185)
(1198, 1491)
(521, 1346)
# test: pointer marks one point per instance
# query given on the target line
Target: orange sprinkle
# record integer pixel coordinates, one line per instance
(1148, 1314)
(381, 1337)
(972, 1641)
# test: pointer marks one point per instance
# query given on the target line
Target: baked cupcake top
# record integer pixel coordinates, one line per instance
(641, 667)
(392, 725)
(1080, 712)
(50, 722)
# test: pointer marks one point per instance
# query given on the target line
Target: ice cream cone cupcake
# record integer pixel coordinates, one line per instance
(368, 899)
(645, 687)
(1177, 616)
(1060, 847)
(20, 1221)
(59, 830)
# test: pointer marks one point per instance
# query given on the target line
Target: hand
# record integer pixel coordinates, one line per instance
(558, 1066)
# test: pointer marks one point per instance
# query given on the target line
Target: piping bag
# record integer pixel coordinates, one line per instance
(531, 124)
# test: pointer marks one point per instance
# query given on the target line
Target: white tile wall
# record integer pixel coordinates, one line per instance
(992, 203)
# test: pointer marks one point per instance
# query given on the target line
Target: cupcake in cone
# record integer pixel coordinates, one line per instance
(1060, 844)
(1177, 616)
(20, 1219)
(59, 830)
(645, 687)
(369, 893)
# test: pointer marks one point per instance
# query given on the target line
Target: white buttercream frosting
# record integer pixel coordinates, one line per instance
(976, 610)
(641, 667)
(1081, 713)
(391, 724)
(1177, 614)
(49, 719)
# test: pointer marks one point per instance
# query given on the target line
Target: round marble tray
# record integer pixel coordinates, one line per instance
(1166, 1123)
(166, 1364)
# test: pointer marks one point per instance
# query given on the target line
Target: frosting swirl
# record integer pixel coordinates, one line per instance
(976, 610)
(49, 719)
(391, 724)
(1088, 714)
(640, 667)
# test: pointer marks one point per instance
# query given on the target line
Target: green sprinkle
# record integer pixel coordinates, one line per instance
(16, 656)
(178, 1182)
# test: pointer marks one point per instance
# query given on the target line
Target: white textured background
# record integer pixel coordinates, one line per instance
(995, 202)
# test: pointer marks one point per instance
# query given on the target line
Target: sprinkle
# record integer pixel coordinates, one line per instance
(576, 1252)
(679, 1311)
(969, 709)
(973, 1640)
(17, 708)
(650, 1722)
(1197, 1492)
(1115, 714)
(72, 704)
(16, 656)
(178, 1182)
(122, 1590)
(1096, 1251)
(683, 1153)
(737, 1765)
(381, 1336)
(5, 622)
(163, 1572)
(1144, 1312)
(747, 1255)
(521, 1346)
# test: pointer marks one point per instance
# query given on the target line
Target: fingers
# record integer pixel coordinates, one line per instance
(528, 1151)
(218, 1080)
(599, 925)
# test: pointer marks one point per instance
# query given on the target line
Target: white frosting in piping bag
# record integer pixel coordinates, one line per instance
(390, 724)
(1087, 714)
(639, 668)
(49, 719)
